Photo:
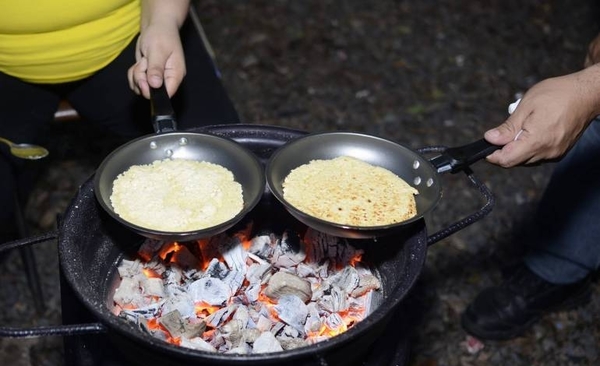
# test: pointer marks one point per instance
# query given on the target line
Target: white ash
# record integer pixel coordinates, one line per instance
(241, 295)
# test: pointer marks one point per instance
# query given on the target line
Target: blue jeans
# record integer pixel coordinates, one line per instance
(566, 228)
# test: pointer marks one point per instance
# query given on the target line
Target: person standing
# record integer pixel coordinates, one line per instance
(555, 119)
(101, 56)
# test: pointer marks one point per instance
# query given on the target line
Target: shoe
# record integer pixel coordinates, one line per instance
(507, 311)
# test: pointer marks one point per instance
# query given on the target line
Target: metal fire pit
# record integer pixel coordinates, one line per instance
(91, 244)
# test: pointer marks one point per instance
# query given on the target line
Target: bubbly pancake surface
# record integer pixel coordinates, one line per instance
(349, 191)
(177, 195)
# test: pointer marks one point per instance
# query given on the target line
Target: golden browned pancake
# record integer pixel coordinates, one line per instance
(177, 195)
(349, 191)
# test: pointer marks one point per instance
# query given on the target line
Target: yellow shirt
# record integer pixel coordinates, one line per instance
(57, 41)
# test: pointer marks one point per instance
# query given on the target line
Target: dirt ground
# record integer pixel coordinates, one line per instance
(422, 73)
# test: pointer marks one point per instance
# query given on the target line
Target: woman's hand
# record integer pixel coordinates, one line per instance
(159, 53)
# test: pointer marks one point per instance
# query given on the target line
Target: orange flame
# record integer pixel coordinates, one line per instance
(269, 303)
(150, 273)
(207, 253)
(169, 248)
(153, 324)
(204, 309)
(356, 259)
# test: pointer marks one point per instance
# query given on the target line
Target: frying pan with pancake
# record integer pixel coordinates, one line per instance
(412, 167)
(169, 143)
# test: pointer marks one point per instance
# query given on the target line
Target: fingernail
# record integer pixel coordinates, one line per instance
(155, 80)
(493, 133)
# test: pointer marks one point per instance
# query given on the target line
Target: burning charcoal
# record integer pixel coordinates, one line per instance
(173, 323)
(360, 305)
(289, 251)
(252, 292)
(313, 320)
(348, 279)
(258, 272)
(209, 248)
(320, 290)
(257, 309)
(152, 287)
(292, 310)
(234, 254)
(232, 331)
(216, 269)
(305, 270)
(242, 314)
(291, 343)
(262, 246)
(128, 292)
(209, 290)
(277, 327)
(220, 316)
(256, 258)
(149, 247)
(322, 246)
(129, 268)
(243, 349)
(323, 269)
(328, 246)
(367, 283)
(218, 341)
(234, 280)
(249, 335)
(282, 283)
(336, 301)
(156, 333)
(264, 323)
(175, 291)
(173, 276)
(194, 327)
(182, 303)
(197, 343)
(266, 343)
(184, 258)
(156, 266)
(290, 332)
(130, 316)
(334, 322)
(192, 274)
(148, 312)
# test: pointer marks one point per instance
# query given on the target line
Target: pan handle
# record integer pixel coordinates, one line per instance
(161, 109)
(43, 331)
(455, 159)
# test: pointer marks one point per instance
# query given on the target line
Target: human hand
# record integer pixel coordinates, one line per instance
(160, 58)
(549, 119)
(593, 55)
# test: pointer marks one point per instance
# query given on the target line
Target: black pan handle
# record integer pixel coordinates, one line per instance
(52, 330)
(161, 109)
(455, 159)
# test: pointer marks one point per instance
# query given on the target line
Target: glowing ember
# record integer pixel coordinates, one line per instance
(239, 295)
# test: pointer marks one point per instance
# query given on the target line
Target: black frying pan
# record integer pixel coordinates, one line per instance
(409, 165)
(168, 143)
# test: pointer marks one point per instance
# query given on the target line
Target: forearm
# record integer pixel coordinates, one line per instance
(164, 12)
(589, 82)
